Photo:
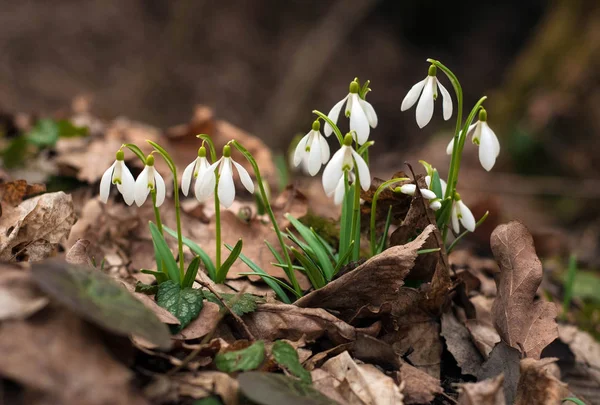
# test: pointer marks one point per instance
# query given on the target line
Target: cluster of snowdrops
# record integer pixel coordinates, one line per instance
(302, 249)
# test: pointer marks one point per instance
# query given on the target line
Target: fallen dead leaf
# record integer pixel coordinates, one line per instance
(207, 383)
(503, 360)
(486, 392)
(163, 315)
(481, 328)
(13, 192)
(78, 254)
(419, 387)
(207, 321)
(19, 297)
(538, 385)
(522, 322)
(460, 345)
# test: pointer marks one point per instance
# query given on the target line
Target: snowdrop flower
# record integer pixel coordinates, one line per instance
(312, 149)
(120, 175)
(461, 212)
(426, 92)
(195, 170)
(410, 189)
(343, 161)
(340, 190)
(149, 179)
(361, 113)
(485, 138)
(225, 188)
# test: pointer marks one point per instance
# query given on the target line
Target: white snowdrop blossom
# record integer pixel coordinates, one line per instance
(410, 189)
(340, 189)
(462, 213)
(435, 203)
(341, 162)
(195, 171)
(148, 180)
(426, 91)
(119, 175)
(312, 150)
(361, 113)
(485, 138)
(226, 187)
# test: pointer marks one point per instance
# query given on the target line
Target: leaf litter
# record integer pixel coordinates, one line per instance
(402, 327)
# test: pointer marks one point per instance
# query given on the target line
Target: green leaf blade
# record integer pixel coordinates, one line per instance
(246, 359)
(286, 357)
(184, 303)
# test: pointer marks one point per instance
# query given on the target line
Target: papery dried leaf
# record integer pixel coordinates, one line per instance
(162, 314)
(522, 322)
(400, 203)
(419, 387)
(460, 345)
(78, 254)
(13, 192)
(206, 384)
(538, 385)
(503, 360)
(486, 392)
(19, 296)
(372, 350)
(206, 322)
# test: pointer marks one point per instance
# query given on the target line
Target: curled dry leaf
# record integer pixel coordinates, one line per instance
(522, 322)
(460, 344)
(356, 383)
(19, 297)
(78, 254)
(206, 384)
(419, 387)
(32, 230)
(538, 385)
(374, 283)
(486, 392)
(13, 192)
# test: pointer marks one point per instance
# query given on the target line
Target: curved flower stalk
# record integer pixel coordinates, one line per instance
(195, 171)
(483, 136)
(312, 150)
(426, 91)
(225, 185)
(118, 174)
(148, 180)
(361, 112)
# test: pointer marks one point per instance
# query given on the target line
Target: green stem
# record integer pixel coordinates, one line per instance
(379, 190)
(356, 217)
(156, 212)
(336, 130)
(462, 235)
(267, 204)
(211, 146)
(217, 224)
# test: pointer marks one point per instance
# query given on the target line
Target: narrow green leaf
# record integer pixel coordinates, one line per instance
(346, 223)
(194, 247)
(160, 276)
(323, 260)
(235, 252)
(184, 303)
(343, 259)
(436, 184)
(240, 304)
(246, 359)
(192, 271)
(574, 400)
(383, 240)
(148, 289)
(275, 253)
(287, 357)
(266, 276)
(312, 271)
(136, 151)
(164, 254)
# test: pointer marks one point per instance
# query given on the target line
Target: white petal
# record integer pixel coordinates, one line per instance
(244, 176)
(324, 149)
(363, 171)
(159, 184)
(476, 133)
(340, 191)
(444, 186)
(428, 181)
(446, 101)
(455, 225)
(141, 187)
(435, 205)
(494, 138)
(359, 121)
(427, 194)
(370, 111)
(314, 156)
(205, 184)
(334, 115)
(466, 216)
(127, 186)
(105, 183)
(226, 188)
(301, 149)
(186, 178)
(487, 150)
(413, 95)
(408, 189)
(425, 105)
(450, 147)
(333, 171)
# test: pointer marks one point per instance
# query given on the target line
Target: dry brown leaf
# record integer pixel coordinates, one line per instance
(373, 283)
(19, 297)
(538, 385)
(64, 358)
(522, 322)
(12, 193)
(207, 321)
(208, 383)
(481, 328)
(486, 392)
(162, 314)
(77, 254)
(32, 230)
(503, 360)
(460, 345)
(358, 383)
(419, 387)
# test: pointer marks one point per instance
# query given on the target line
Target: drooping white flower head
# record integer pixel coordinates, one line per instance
(343, 161)
(410, 189)
(119, 175)
(485, 138)
(195, 171)
(426, 91)
(462, 213)
(361, 113)
(312, 150)
(226, 187)
(148, 180)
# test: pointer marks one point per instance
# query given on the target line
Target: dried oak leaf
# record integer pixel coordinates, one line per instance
(78, 254)
(32, 230)
(486, 392)
(460, 344)
(538, 385)
(374, 283)
(522, 322)
(481, 328)
(356, 383)
(19, 297)
(503, 360)
(65, 360)
(399, 203)
(13, 192)
(419, 387)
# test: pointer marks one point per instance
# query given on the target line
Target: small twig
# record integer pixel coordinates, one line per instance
(448, 397)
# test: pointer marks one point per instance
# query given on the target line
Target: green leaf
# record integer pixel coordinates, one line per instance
(14, 154)
(346, 223)
(316, 246)
(194, 247)
(44, 133)
(312, 271)
(100, 299)
(160, 276)
(213, 400)
(436, 184)
(192, 271)
(574, 400)
(287, 357)
(277, 389)
(246, 359)
(66, 129)
(275, 254)
(164, 254)
(184, 303)
(148, 289)
(383, 240)
(235, 252)
(239, 304)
